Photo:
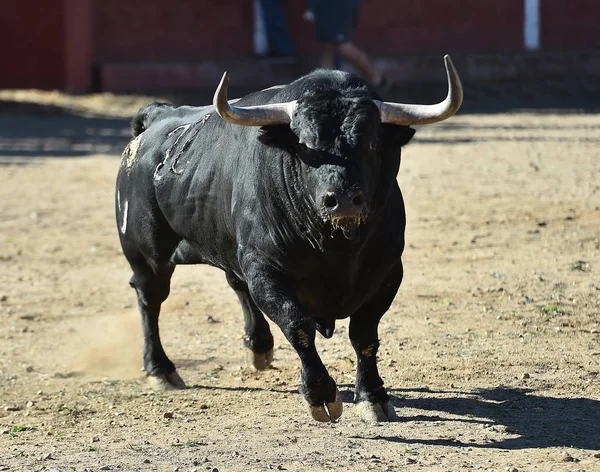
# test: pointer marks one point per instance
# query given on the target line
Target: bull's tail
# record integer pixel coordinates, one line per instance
(148, 115)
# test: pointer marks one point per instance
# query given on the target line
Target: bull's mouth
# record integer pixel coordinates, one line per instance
(348, 225)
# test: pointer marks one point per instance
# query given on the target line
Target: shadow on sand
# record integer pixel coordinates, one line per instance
(32, 132)
(536, 421)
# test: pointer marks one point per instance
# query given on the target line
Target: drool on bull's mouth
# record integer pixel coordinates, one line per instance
(349, 225)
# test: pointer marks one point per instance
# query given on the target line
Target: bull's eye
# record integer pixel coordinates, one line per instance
(373, 145)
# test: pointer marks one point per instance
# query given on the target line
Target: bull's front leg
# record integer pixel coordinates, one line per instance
(373, 402)
(275, 298)
(318, 388)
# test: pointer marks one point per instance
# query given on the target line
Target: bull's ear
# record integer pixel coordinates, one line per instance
(397, 136)
(278, 136)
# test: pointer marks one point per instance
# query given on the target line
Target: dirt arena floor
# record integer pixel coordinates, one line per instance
(491, 349)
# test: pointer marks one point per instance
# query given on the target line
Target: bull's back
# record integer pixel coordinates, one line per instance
(138, 213)
(175, 181)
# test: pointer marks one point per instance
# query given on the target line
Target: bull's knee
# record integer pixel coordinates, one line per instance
(151, 291)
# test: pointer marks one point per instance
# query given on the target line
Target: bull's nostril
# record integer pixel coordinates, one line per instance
(330, 201)
(358, 200)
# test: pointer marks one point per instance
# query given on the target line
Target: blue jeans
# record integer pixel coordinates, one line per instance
(278, 37)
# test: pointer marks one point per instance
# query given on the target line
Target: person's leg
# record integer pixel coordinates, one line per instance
(328, 56)
(360, 61)
(333, 26)
(278, 37)
(335, 21)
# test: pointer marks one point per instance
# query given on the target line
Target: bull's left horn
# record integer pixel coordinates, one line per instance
(260, 115)
(406, 114)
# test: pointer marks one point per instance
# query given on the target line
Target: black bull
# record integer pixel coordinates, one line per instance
(297, 203)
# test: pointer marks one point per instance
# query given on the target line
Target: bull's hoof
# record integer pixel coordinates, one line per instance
(162, 381)
(260, 361)
(329, 412)
(378, 412)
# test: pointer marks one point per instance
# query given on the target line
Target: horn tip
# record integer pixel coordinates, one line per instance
(450, 69)
(454, 82)
(220, 96)
(224, 79)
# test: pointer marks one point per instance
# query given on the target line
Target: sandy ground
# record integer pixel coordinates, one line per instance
(491, 349)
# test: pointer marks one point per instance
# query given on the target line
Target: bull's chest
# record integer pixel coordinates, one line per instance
(337, 293)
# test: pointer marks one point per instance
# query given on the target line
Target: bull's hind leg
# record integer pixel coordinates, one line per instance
(373, 402)
(257, 335)
(152, 287)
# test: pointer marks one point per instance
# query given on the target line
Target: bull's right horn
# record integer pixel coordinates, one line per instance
(407, 114)
(259, 115)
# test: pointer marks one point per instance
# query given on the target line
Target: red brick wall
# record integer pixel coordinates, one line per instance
(570, 24)
(79, 44)
(172, 30)
(187, 30)
(31, 44)
(34, 52)
(425, 26)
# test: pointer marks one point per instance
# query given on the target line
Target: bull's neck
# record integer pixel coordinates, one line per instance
(300, 215)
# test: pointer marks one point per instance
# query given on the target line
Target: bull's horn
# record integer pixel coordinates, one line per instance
(406, 114)
(261, 115)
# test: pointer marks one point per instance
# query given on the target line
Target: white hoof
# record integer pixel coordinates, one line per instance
(162, 382)
(260, 361)
(376, 412)
(330, 412)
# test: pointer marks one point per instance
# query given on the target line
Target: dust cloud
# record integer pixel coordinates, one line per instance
(110, 346)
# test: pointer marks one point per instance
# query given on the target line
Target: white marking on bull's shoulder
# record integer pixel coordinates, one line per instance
(157, 176)
(275, 87)
(130, 154)
(161, 164)
(183, 127)
(124, 221)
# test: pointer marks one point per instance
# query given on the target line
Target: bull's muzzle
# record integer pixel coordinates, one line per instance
(345, 211)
